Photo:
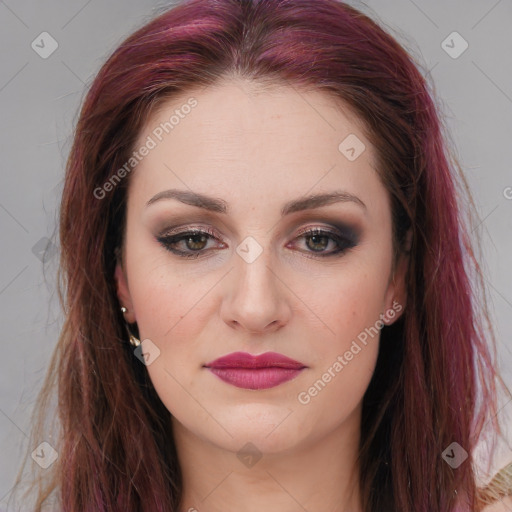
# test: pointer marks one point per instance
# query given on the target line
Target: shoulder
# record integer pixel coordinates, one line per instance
(503, 505)
(498, 492)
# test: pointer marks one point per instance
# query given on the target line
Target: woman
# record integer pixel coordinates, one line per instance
(267, 276)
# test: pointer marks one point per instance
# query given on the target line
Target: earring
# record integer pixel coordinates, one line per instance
(133, 340)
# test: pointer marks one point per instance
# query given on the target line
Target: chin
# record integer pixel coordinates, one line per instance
(271, 428)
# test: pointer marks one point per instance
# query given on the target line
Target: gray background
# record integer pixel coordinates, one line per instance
(39, 99)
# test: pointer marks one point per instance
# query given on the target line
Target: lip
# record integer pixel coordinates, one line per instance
(248, 371)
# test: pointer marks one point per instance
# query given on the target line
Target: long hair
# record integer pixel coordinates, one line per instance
(435, 378)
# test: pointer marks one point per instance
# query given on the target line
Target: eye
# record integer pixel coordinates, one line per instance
(318, 240)
(188, 244)
(193, 243)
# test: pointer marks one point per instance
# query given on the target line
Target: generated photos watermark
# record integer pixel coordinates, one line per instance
(304, 397)
(152, 141)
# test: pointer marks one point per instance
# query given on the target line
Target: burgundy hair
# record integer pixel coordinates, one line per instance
(435, 377)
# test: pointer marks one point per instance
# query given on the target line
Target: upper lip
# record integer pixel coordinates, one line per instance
(246, 360)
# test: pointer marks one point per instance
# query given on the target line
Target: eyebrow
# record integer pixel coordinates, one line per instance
(220, 206)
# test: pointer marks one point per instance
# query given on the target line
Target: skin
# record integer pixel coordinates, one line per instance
(503, 505)
(257, 149)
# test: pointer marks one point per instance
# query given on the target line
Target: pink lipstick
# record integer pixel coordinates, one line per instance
(263, 371)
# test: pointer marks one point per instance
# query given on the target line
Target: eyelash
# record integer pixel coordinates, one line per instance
(167, 241)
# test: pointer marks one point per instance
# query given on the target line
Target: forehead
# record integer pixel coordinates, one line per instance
(241, 139)
(235, 111)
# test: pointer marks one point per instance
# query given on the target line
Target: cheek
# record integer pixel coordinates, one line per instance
(345, 361)
(169, 303)
(348, 303)
(172, 312)
(347, 348)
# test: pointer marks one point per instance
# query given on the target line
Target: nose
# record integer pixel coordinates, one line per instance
(256, 299)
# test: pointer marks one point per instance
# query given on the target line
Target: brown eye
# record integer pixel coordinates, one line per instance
(187, 244)
(317, 241)
(196, 242)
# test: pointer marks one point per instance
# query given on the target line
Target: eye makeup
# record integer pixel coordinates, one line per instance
(319, 241)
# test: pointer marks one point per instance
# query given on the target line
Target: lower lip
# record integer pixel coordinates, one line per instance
(255, 378)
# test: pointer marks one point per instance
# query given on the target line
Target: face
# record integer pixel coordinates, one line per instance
(290, 253)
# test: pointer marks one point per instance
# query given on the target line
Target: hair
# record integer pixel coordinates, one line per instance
(436, 374)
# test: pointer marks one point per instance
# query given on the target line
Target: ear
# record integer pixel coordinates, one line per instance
(123, 292)
(396, 294)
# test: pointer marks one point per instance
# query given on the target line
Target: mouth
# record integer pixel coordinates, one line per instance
(248, 371)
